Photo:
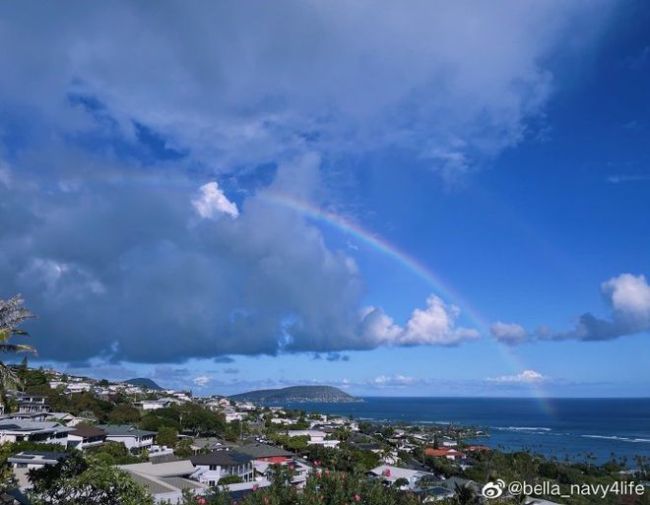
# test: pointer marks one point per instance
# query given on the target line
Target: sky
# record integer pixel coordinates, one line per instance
(439, 199)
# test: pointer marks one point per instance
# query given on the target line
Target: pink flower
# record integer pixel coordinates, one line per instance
(357, 498)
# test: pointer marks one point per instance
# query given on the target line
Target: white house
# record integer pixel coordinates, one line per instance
(78, 387)
(391, 474)
(234, 416)
(148, 405)
(44, 432)
(218, 464)
(133, 438)
(316, 437)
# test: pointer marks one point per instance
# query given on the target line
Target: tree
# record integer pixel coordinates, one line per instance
(465, 496)
(12, 315)
(75, 481)
(230, 479)
(124, 414)
(401, 482)
(167, 436)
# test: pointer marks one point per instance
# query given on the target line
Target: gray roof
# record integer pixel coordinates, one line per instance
(124, 430)
(32, 426)
(34, 456)
(182, 483)
(263, 451)
(221, 458)
(152, 485)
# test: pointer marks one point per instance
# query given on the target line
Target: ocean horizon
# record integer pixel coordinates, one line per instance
(562, 428)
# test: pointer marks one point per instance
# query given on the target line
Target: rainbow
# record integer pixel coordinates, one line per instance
(382, 246)
(410, 263)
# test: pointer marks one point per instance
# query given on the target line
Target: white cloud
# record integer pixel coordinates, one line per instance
(211, 202)
(436, 324)
(508, 333)
(629, 296)
(396, 380)
(202, 380)
(433, 325)
(525, 377)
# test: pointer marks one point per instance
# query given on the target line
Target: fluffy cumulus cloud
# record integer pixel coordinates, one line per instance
(436, 324)
(626, 295)
(525, 377)
(211, 202)
(508, 333)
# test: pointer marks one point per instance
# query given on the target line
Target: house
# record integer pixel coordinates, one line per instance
(83, 437)
(78, 387)
(32, 404)
(246, 406)
(391, 474)
(25, 461)
(35, 459)
(209, 444)
(149, 405)
(166, 481)
(316, 437)
(213, 466)
(133, 438)
(232, 415)
(477, 448)
(444, 452)
(19, 430)
(56, 383)
(27, 416)
(283, 420)
(65, 418)
(266, 453)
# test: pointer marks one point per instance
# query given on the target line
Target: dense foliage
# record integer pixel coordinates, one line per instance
(77, 481)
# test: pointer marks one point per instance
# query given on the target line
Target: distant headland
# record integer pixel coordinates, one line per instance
(297, 394)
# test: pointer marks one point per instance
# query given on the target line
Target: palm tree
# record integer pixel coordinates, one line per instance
(12, 315)
(465, 495)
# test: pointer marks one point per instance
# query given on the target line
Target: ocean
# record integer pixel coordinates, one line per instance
(560, 428)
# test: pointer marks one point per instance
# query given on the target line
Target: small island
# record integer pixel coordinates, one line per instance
(297, 394)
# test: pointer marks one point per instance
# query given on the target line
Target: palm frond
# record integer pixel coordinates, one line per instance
(16, 348)
(13, 313)
(8, 378)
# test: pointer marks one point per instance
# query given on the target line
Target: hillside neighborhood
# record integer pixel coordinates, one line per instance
(176, 448)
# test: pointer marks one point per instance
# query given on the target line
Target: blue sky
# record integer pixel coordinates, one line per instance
(444, 200)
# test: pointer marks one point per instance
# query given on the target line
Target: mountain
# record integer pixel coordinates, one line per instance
(144, 383)
(296, 394)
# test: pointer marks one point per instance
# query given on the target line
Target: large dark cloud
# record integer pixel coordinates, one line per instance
(114, 118)
(149, 272)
